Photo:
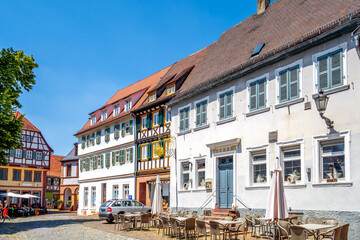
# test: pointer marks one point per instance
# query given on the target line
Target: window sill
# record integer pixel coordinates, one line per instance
(257, 111)
(201, 127)
(184, 132)
(203, 189)
(333, 90)
(289, 103)
(183, 190)
(257, 187)
(231, 119)
(297, 185)
(333, 184)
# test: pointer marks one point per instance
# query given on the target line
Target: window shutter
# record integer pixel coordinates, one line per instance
(204, 113)
(139, 152)
(122, 156)
(107, 134)
(122, 129)
(253, 98)
(149, 120)
(102, 161)
(87, 141)
(182, 120)
(31, 138)
(294, 83)
(34, 155)
(222, 106)
(24, 153)
(198, 114)
(43, 156)
(131, 127)
(283, 86)
(138, 124)
(116, 131)
(261, 93)
(323, 73)
(94, 162)
(229, 108)
(131, 154)
(92, 140)
(149, 150)
(52, 181)
(81, 165)
(83, 142)
(336, 69)
(161, 116)
(107, 159)
(12, 153)
(113, 158)
(186, 122)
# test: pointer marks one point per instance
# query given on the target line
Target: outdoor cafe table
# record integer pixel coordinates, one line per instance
(315, 228)
(133, 217)
(227, 224)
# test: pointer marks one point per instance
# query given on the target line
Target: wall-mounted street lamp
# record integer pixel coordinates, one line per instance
(321, 102)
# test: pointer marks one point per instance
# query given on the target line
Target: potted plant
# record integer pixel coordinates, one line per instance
(60, 204)
(69, 202)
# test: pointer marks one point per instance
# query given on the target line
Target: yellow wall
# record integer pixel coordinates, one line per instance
(9, 182)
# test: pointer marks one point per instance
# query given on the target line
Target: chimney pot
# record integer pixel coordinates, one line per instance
(262, 5)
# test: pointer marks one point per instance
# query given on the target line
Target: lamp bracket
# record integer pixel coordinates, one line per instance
(328, 122)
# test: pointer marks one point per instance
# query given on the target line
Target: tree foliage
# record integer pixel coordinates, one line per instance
(16, 75)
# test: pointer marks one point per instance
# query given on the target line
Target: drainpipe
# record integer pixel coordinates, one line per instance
(136, 152)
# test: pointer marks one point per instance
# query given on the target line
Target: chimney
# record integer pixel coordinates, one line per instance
(76, 149)
(262, 5)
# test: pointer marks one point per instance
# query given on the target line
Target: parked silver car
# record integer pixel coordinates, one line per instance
(116, 206)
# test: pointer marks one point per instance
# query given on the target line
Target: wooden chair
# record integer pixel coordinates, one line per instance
(283, 229)
(189, 227)
(215, 230)
(201, 229)
(344, 232)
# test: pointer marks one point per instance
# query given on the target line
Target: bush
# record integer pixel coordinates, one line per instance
(59, 201)
(69, 202)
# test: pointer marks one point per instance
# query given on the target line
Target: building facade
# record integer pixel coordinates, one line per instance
(53, 178)
(27, 167)
(241, 114)
(69, 187)
(107, 148)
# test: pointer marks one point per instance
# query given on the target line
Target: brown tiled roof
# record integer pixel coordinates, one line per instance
(284, 24)
(137, 93)
(55, 166)
(27, 124)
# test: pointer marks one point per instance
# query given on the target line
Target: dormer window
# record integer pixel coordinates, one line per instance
(93, 120)
(103, 116)
(116, 110)
(127, 105)
(152, 97)
(170, 90)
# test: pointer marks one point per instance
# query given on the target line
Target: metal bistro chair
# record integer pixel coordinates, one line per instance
(201, 229)
(215, 230)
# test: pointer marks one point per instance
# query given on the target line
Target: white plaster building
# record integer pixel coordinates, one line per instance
(251, 101)
(107, 150)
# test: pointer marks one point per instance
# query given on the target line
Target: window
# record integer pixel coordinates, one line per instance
(117, 131)
(37, 176)
(3, 174)
(201, 173)
(107, 159)
(152, 97)
(126, 191)
(129, 155)
(93, 196)
(291, 157)
(14, 200)
(289, 84)
(103, 115)
(16, 175)
(28, 138)
(127, 106)
(38, 155)
(168, 115)
(68, 170)
(48, 182)
(201, 113)
(168, 147)
(170, 90)
(128, 127)
(330, 70)
(144, 123)
(117, 156)
(258, 160)
(156, 119)
(332, 159)
(29, 154)
(23, 137)
(144, 151)
(184, 119)
(93, 120)
(28, 176)
(98, 137)
(86, 195)
(185, 175)
(116, 110)
(225, 105)
(107, 134)
(99, 160)
(37, 200)
(18, 153)
(115, 191)
(257, 92)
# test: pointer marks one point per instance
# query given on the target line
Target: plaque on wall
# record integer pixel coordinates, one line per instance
(273, 136)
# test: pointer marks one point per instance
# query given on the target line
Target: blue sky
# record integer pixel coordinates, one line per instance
(87, 50)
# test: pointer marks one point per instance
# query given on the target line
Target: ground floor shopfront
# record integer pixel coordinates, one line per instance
(145, 186)
(69, 194)
(93, 193)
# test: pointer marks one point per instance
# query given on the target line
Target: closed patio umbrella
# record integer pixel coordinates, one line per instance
(276, 205)
(157, 207)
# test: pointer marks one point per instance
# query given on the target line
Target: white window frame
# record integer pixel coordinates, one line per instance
(117, 157)
(317, 172)
(207, 99)
(116, 110)
(267, 77)
(127, 155)
(38, 155)
(249, 153)
(152, 97)
(315, 65)
(126, 191)
(93, 120)
(185, 172)
(218, 102)
(93, 197)
(155, 120)
(103, 115)
(170, 89)
(127, 106)
(179, 109)
(127, 128)
(143, 123)
(29, 154)
(144, 152)
(200, 161)
(299, 63)
(86, 197)
(18, 153)
(116, 191)
(168, 115)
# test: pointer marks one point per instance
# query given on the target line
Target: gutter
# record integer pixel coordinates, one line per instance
(355, 38)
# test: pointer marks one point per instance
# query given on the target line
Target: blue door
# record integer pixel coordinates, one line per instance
(225, 182)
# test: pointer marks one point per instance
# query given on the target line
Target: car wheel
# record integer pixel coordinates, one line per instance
(109, 220)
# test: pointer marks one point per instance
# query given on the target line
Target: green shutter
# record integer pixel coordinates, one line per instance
(43, 156)
(83, 139)
(87, 141)
(122, 129)
(102, 161)
(222, 106)
(149, 150)
(203, 110)
(283, 86)
(161, 116)
(81, 165)
(92, 139)
(113, 158)
(261, 93)
(117, 131)
(149, 120)
(24, 153)
(131, 127)
(107, 134)
(139, 152)
(198, 114)
(336, 68)
(12, 153)
(186, 118)
(98, 137)
(107, 159)
(131, 154)
(34, 155)
(122, 156)
(182, 120)
(138, 124)
(229, 100)
(94, 162)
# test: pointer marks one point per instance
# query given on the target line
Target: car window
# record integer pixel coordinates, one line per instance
(136, 203)
(117, 204)
(126, 203)
(106, 204)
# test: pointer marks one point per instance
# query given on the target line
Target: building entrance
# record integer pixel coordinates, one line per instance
(225, 182)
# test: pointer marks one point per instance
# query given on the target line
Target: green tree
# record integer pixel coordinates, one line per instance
(16, 75)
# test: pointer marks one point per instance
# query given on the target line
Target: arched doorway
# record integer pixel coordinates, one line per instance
(76, 197)
(67, 197)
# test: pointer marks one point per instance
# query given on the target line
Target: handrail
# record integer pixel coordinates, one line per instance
(208, 200)
(242, 202)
